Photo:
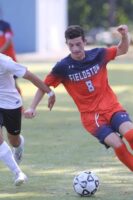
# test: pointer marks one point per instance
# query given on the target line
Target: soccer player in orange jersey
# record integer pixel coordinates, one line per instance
(6, 40)
(84, 76)
(6, 43)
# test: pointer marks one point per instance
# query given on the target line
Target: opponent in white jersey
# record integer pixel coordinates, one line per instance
(10, 113)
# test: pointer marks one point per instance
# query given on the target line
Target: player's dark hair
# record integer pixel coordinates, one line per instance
(74, 31)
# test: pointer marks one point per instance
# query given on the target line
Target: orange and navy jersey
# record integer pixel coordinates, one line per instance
(5, 33)
(86, 81)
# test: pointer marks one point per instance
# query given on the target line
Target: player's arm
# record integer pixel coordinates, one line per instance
(42, 86)
(31, 112)
(52, 79)
(123, 45)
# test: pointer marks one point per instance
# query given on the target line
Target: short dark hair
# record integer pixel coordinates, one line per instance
(74, 31)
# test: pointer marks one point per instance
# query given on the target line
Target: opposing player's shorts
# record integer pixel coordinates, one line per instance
(101, 125)
(11, 120)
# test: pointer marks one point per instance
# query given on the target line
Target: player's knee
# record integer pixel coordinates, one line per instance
(113, 140)
(14, 139)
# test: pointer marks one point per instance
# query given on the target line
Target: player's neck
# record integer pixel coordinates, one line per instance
(78, 58)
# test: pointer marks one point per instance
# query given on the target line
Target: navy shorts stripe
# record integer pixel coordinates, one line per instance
(117, 119)
(103, 132)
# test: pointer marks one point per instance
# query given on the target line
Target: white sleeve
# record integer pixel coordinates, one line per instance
(11, 66)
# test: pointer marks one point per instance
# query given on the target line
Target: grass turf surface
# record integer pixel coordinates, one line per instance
(57, 147)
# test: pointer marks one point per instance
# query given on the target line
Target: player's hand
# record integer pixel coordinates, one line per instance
(29, 113)
(51, 101)
(122, 29)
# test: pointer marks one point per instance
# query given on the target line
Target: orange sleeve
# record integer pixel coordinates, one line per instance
(110, 53)
(52, 80)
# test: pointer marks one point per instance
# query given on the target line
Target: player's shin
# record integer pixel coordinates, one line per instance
(7, 157)
(124, 156)
(129, 137)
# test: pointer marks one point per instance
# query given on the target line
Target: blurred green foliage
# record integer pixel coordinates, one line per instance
(100, 13)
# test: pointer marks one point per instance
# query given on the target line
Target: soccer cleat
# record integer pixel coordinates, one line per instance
(18, 151)
(20, 178)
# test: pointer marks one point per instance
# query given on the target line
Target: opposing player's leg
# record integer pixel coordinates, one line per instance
(6, 155)
(20, 178)
(18, 146)
(13, 126)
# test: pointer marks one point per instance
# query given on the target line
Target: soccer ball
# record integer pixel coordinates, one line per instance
(86, 183)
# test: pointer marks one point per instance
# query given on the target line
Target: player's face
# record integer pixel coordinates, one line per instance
(76, 47)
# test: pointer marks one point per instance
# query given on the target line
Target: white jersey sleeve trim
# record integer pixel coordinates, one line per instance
(8, 65)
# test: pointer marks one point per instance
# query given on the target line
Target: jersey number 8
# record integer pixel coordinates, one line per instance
(90, 86)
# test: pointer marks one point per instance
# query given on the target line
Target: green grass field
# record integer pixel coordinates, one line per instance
(57, 147)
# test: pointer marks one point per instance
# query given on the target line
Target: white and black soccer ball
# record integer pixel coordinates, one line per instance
(86, 183)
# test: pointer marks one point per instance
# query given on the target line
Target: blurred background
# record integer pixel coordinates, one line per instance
(39, 25)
